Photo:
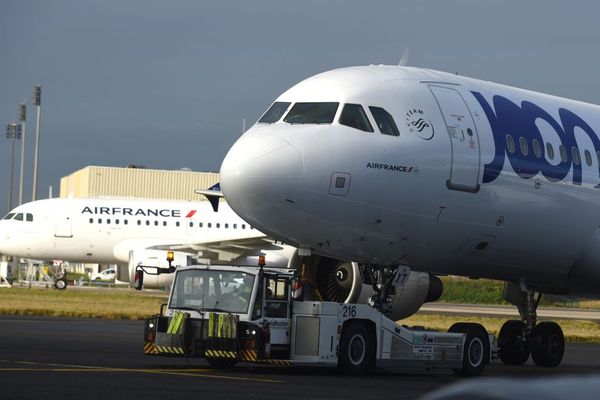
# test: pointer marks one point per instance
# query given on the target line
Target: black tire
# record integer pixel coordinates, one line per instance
(476, 349)
(60, 284)
(357, 349)
(513, 348)
(547, 343)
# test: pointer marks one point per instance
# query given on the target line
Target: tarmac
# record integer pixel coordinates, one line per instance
(66, 358)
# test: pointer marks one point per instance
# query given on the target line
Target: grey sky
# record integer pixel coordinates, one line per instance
(166, 84)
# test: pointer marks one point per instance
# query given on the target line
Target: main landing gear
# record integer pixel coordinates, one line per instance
(518, 339)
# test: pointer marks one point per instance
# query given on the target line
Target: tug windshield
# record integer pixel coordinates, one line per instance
(212, 290)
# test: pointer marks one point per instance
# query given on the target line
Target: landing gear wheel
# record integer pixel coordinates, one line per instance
(356, 349)
(513, 348)
(547, 344)
(60, 284)
(476, 349)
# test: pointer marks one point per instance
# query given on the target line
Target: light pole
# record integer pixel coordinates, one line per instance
(22, 118)
(37, 101)
(13, 132)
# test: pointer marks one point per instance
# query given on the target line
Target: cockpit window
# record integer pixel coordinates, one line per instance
(384, 120)
(353, 115)
(312, 113)
(19, 217)
(10, 216)
(29, 217)
(275, 112)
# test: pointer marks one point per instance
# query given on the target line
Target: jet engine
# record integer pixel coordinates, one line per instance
(329, 279)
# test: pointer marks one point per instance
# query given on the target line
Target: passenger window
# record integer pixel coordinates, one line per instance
(177, 223)
(209, 225)
(563, 153)
(312, 113)
(354, 116)
(575, 154)
(9, 216)
(550, 151)
(510, 144)
(218, 225)
(537, 148)
(588, 157)
(274, 113)
(384, 121)
(19, 217)
(191, 224)
(91, 220)
(523, 146)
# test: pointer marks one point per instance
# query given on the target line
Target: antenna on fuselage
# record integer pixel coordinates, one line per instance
(404, 59)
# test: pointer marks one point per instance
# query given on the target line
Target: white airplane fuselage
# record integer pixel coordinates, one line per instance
(98, 230)
(483, 180)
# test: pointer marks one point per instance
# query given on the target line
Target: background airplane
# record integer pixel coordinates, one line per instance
(397, 166)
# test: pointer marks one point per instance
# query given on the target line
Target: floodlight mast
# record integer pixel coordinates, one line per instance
(22, 119)
(37, 101)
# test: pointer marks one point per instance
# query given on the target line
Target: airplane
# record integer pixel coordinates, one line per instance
(134, 232)
(123, 231)
(396, 166)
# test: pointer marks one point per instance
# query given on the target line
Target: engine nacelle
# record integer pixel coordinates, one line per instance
(340, 281)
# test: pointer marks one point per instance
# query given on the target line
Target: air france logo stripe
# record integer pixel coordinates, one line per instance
(190, 214)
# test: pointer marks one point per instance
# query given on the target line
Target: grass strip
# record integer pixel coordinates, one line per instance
(105, 303)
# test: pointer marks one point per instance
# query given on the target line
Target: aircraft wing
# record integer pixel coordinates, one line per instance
(223, 250)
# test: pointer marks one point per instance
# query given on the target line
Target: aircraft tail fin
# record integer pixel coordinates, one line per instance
(213, 194)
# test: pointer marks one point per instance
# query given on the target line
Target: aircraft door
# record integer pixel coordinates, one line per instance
(464, 168)
(277, 309)
(63, 227)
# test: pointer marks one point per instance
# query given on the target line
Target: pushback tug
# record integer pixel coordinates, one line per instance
(230, 314)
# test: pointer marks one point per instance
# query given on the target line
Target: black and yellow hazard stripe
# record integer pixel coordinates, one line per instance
(283, 363)
(248, 355)
(220, 354)
(148, 348)
(168, 350)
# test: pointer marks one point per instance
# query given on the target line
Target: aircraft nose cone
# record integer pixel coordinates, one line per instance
(259, 174)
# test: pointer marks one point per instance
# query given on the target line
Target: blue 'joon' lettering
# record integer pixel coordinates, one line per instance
(508, 118)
